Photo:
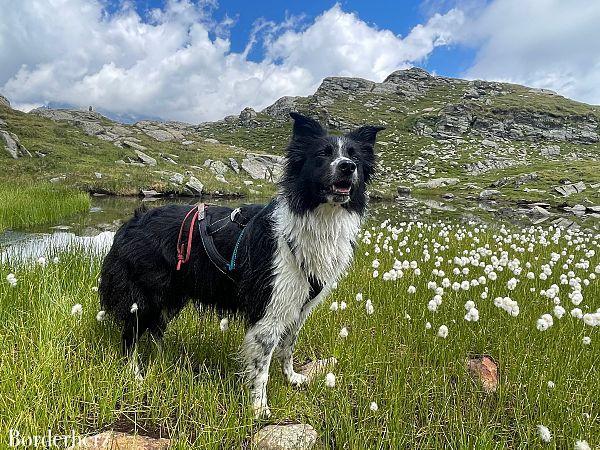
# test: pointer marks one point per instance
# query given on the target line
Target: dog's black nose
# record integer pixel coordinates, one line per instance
(347, 167)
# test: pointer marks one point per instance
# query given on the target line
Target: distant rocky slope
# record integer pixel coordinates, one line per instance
(443, 136)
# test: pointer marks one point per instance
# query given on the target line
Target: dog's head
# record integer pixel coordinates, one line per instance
(321, 168)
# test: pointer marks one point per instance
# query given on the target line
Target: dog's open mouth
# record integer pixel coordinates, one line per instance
(341, 187)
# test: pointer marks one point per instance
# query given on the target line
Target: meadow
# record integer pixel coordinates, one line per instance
(419, 300)
(23, 205)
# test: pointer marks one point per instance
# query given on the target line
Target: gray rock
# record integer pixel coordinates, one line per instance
(150, 193)
(404, 190)
(488, 194)
(488, 143)
(187, 142)
(118, 440)
(211, 141)
(218, 168)
(4, 101)
(247, 115)
(98, 175)
(594, 209)
(571, 188)
(194, 186)
(448, 196)
(285, 437)
(234, 165)
(176, 178)
(263, 167)
(58, 179)
(437, 183)
(551, 150)
(131, 144)
(12, 145)
(159, 135)
(2, 123)
(515, 181)
(147, 160)
(282, 108)
(539, 211)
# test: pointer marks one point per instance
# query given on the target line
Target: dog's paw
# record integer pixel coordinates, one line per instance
(261, 411)
(297, 379)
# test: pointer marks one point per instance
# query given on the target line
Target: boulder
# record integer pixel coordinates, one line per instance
(147, 160)
(551, 150)
(4, 101)
(438, 183)
(404, 190)
(134, 145)
(111, 440)
(194, 186)
(570, 188)
(539, 211)
(12, 145)
(298, 436)
(488, 194)
(211, 141)
(176, 178)
(218, 167)
(281, 108)
(247, 115)
(488, 143)
(150, 193)
(263, 167)
(234, 165)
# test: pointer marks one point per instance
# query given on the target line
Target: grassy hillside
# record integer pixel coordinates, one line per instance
(436, 127)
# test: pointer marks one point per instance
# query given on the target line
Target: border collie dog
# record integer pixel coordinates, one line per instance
(291, 252)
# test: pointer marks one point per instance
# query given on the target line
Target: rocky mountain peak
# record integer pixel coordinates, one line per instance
(414, 73)
(4, 101)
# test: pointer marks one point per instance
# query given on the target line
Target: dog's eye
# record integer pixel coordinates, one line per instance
(327, 151)
(351, 152)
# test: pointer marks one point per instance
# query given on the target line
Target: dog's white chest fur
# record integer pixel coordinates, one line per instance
(322, 242)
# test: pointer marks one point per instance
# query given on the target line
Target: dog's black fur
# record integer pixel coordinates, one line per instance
(140, 266)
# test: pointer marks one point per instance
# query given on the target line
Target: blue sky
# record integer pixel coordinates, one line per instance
(197, 60)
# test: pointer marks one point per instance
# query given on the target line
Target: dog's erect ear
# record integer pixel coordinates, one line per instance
(306, 127)
(366, 134)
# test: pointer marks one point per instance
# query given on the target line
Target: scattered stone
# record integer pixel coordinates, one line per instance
(12, 145)
(297, 436)
(194, 186)
(485, 370)
(112, 440)
(539, 211)
(568, 189)
(134, 145)
(248, 182)
(98, 175)
(488, 194)
(551, 150)
(217, 167)
(211, 141)
(176, 178)
(150, 193)
(247, 116)
(448, 196)
(488, 143)
(515, 181)
(148, 160)
(437, 183)
(187, 142)
(58, 179)
(404, 190)
(234, 165)
(313, 369)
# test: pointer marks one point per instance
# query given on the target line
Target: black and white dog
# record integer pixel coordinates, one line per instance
(291, 252)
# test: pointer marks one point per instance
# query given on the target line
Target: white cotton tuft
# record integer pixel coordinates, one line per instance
(544, 433)
(224, 324)
(330, 380)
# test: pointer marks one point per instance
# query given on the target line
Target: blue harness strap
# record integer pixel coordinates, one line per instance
(231, 266)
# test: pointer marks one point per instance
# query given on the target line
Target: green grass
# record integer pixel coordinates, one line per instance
(26, 205)
(64, 372)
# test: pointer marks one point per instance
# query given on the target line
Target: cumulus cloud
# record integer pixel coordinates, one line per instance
(171, 66)
(549, 44)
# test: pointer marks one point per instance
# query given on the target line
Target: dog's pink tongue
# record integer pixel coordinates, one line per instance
(342, 190)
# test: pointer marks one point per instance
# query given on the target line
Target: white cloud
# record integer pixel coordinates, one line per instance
(72, 51)
(549, 44)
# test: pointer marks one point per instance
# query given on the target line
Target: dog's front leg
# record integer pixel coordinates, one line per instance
(257, 350)
(285, 350)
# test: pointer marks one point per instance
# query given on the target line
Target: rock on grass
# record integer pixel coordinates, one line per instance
(285, 437)
(111, 440)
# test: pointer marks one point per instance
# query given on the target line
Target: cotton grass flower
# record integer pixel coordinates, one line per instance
(42, 261)
(369, 307)
(582, 445)
(343, 305)
(359, 297)
(544, 433)
(330, 380)
(134, 308)
(55, 260)
(412, 289)
(443, 331)
(334, 306)
(544, 322)
(551, 385)
(428, 326)
(76, 310)
(100, 316)
(586, 340)
(12, 280)
(224, 324)
(373, 407)
(343, 333)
